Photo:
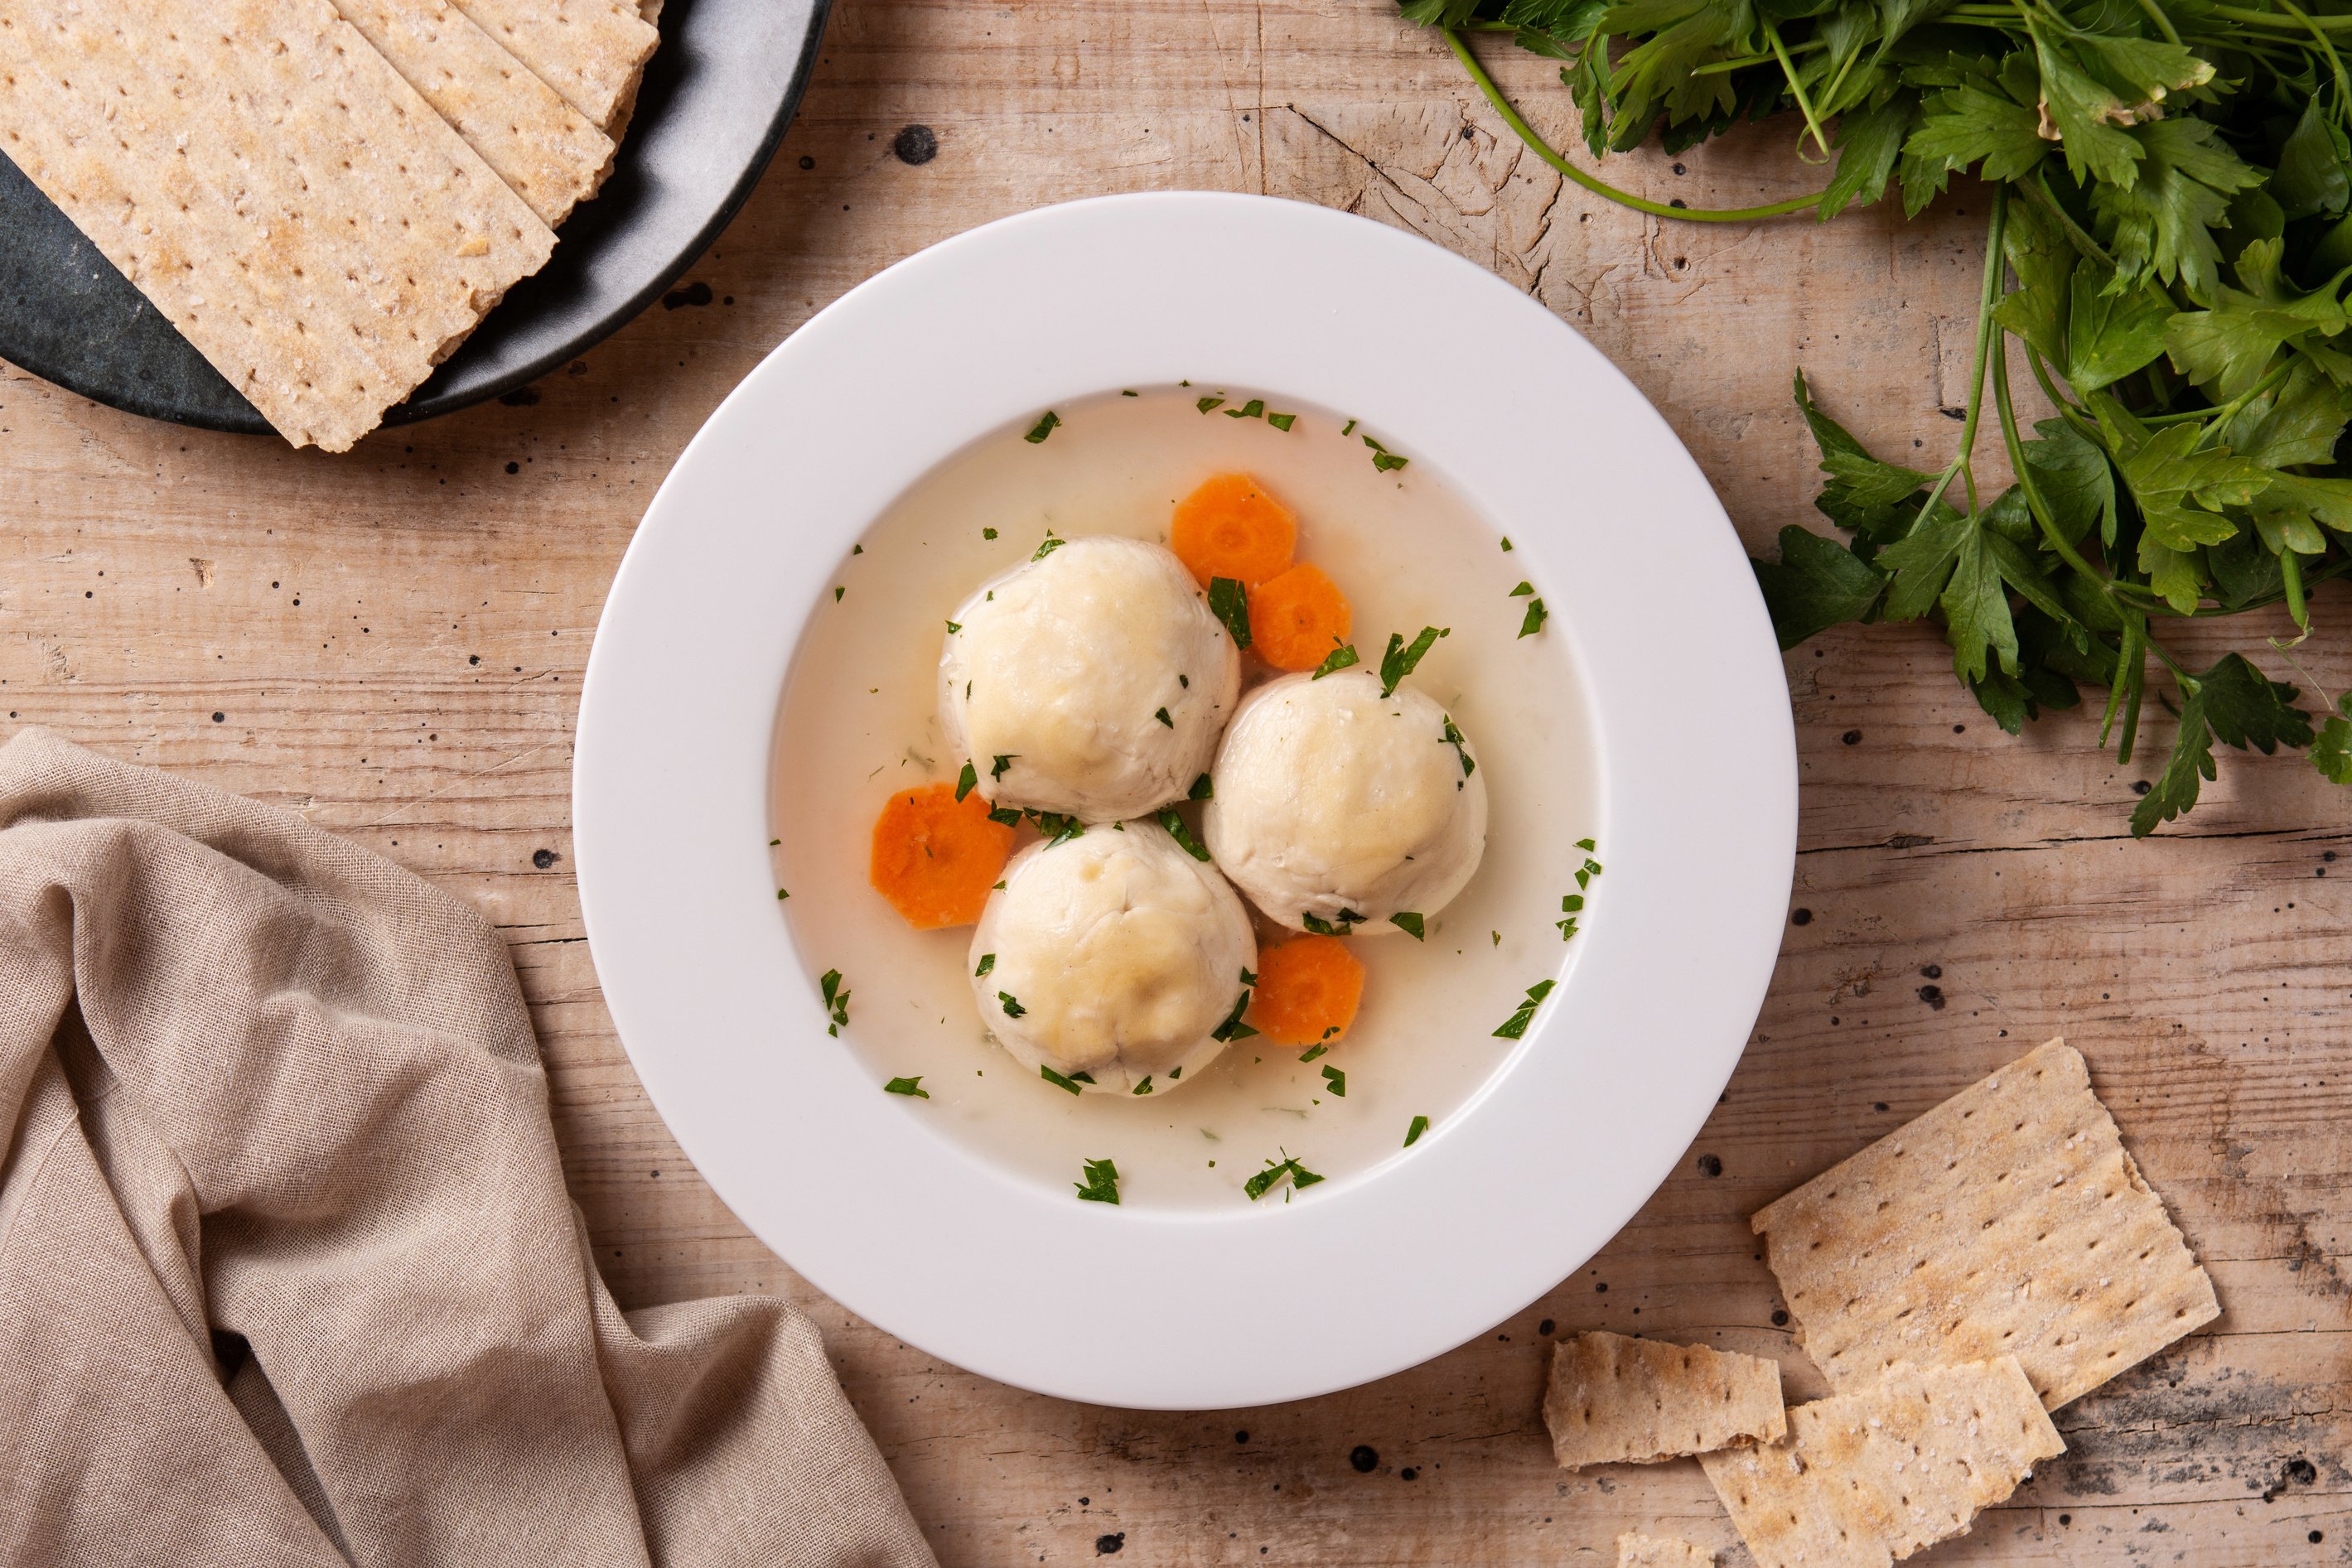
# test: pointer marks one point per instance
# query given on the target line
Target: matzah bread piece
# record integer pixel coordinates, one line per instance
(1636, 1550)
(1863, 1480)
(591, 51)
(2006, 1221)
(1616, 1400)
(273, 187)
(536, 143)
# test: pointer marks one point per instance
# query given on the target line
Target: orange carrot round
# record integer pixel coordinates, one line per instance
(1297, 618)
(1307, 991)
(1230, 528)
(936, 858)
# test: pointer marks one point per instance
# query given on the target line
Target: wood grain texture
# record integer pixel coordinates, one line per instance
(392, 642)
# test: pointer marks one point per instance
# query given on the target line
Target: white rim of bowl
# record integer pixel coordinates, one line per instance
(1366, 1275)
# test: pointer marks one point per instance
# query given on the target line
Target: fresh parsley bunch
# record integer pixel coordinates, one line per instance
(2167, 250)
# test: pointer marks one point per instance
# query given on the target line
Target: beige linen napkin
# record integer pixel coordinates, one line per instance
(288, 1273)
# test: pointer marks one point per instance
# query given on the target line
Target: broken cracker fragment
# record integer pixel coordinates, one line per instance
(2008, 1220)
(1864, 1479)
(1613, 1400)
(1636, 1550)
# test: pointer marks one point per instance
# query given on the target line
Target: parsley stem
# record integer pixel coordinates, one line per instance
(1797, 92)
(1988, 296)
(2039, 192)
(1541, 148)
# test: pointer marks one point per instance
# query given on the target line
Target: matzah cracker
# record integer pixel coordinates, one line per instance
(539, 145)
(591, 51)
(1616, 1400)
(2008, 1220)
(273, 187)
(1636, 1550)
(1863, 1480)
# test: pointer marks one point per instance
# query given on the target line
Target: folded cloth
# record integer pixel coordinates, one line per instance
(287, 1272)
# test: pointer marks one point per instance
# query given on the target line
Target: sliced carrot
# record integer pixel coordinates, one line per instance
(1297, 618)
(1230, 528)
(936, 858)
(1307, 991)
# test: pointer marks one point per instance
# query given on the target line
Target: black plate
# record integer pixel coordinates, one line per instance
(716, 100)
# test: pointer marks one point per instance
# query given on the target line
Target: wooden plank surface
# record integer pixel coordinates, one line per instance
(392, 642)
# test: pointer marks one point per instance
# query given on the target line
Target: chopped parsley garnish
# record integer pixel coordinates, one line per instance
(1144, 1087)
(954, 627)
(1101, 1185)
(1586, 872)
(1506, 541)
(1126, 394)
(1258, 1186)
(1056, 826)
(1346, 921)
(782, 895)
(1082, 1078)
(1338, 658)
(1206, 403)
(1338, 1081)
(1572, 905)
(1248, 978)
(997, 887)
(1185, 681)
(1349, 428)
(1453, 738)
(1406, 921)
(988, 533)
(1012, 1008)
(1282, 420)
(1181, 834)
(987, 962)
(837, 592)
(1229, 602)
(837, 1001)
(907, 1086)
(1517, 1024)
(1233, 1027)
(1401, 657)
(1382, 458)
(1042, 428)
(1161, 715)
(1052, 542)
(1521, 592)
(1312, 1051)
(966, 782)
(1174, 1073)
(1203, 787)
(1008, 815)
(1534, 618)
(773, 842)
(1587, 845)
(1003, 760)
(1253, 409)
(1413, 1133)
(1056, 1079)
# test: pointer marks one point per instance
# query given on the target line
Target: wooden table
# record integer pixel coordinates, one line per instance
(392, 644)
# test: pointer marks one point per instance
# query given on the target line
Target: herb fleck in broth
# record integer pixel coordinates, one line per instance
(859, 720)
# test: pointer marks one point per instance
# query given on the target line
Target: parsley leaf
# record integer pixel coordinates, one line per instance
(966, 782)
(1176, 829)
(907, 1086)
(1338, 658)
(1058, 1081)
(1229, 602)
(1515, 1026)
(2233, 703)
(1402, 658)
(1336, 1080)
(1101, 1185)
(1012, 1008)
(1233, 1028)
(837, 1001)
(1406, 921)
(1203, 787)
(987, 962)
(1413, 1132)
(1042, 428)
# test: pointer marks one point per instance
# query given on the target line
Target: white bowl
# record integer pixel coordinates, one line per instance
(1362, 1276)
